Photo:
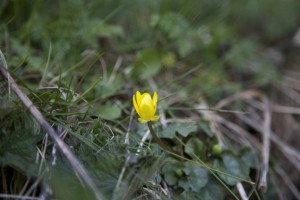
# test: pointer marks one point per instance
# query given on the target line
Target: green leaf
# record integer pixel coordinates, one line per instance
(170, 172)
(206, 130)
(109, 111)
(190, 178)
(183, 129)
(193, 147)
(232, 165)
(196, 177)
(186, 129)
(250, 158)
(168, 132)
(213, 190)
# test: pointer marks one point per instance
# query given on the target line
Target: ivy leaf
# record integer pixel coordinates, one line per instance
(193, 147)
(182, 129)
(213, 190)
(232, 165)
(250, 158)
(186, 129)
(168, 132)
(169, 172)
(196, 177)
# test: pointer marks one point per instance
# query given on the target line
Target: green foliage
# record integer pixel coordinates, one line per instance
(66, 186)
(177, 29)
(189, 178)
(147, 64)
(81, 61)
(232, 165)
(194, 146)
(182, 129)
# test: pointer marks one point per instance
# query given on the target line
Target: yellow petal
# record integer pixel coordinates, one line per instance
(155, 118)
(145, 106)
(146, 99)
(139, 98)
(154, 101)
(135, 105)
(155, 98)
(142, 121)
(146, 110)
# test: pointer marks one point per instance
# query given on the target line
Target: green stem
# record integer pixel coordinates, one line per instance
(157, 140)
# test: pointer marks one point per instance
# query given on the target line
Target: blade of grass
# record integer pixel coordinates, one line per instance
(46, 67)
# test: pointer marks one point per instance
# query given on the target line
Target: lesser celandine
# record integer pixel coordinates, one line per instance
(145, 106)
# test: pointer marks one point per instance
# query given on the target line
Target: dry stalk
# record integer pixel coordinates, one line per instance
(241, 190)
(288, 182)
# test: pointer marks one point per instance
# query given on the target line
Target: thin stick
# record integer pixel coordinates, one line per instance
(75, 163)
(241, 190)
(12, 196)
(266, 146)
(288, 182)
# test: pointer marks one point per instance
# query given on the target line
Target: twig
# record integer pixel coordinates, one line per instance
(266, 131)
(290, 153)
(128, 129)
(75, 163)
(288, 182)
(144, 138)
(153, 194)
(11, 196)
(241, 190)
(286, 109)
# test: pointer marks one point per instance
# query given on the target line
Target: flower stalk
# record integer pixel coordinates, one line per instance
(156, 139)
(145, 106)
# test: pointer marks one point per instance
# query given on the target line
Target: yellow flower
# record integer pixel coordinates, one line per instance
(145, 106)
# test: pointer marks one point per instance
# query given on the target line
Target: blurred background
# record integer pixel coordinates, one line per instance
(90, 56)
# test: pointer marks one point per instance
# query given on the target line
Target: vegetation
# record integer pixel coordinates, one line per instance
(227, 78)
